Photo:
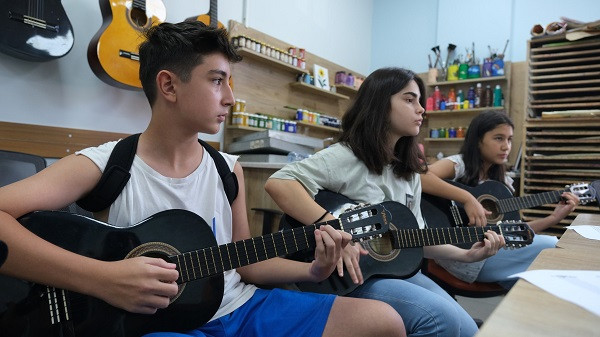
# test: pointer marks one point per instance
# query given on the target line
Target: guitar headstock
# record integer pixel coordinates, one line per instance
(516, 234)
(363, 222)
(585, 192)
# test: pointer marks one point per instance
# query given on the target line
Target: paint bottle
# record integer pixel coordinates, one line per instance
(498, 95)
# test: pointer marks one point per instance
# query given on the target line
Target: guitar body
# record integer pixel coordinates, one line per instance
(166, 233)
(437, 211)
(37, 30)
(382, 261)
(205, 18)
(113, 51)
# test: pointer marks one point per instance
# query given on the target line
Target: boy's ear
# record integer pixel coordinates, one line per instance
(164, 85)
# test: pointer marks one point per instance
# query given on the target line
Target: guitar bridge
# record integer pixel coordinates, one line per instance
(34, 22)
(129, 55)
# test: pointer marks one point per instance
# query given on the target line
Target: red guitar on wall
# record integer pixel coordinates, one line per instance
(113, 51)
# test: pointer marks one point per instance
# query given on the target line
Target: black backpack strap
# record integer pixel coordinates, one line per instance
(114, 178)
(116, 175)
(228, 177)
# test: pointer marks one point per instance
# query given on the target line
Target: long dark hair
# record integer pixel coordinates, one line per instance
(480, 125)
(366, 124)
(179, 48)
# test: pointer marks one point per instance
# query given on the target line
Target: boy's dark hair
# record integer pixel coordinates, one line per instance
(479, 126)
(366, 124)
(179, 48)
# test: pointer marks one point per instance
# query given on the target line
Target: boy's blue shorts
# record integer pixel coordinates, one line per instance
(269, 313)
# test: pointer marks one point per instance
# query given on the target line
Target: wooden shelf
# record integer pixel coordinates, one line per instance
(455, 111)
(470, 80)
(345, 89)
(270, 61)
(314, 90)
(443, 139)
(242, 127)
(318, 126)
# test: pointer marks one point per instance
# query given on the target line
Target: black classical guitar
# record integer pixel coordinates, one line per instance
(178, 236)
(34, 30)
(399, 252)
(496, 198)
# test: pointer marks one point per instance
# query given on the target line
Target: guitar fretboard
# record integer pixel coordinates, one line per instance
(410, 238)
(215, 260)
(528, 201)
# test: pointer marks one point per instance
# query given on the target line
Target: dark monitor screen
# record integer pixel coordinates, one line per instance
(15, 166)
(13, 170)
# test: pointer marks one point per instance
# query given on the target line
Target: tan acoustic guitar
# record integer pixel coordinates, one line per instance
(113, 51)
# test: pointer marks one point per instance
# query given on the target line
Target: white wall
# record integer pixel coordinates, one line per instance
(405, 31)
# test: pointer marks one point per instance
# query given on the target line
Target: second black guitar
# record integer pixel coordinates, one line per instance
(398, 254)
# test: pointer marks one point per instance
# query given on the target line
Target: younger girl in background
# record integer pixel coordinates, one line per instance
(482, 157)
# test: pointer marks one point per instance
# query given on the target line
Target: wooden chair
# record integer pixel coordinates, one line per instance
(455, 286)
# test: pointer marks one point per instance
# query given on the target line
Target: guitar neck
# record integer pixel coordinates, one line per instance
(533, 200)
(212, 13)
(218, 259)
(140, 4)
(410, 238)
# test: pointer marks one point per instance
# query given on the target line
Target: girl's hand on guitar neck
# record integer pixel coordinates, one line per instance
(562, 209)
(139, 285)
(486, 248)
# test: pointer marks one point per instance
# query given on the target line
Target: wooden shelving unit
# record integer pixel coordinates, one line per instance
(318, 126)
(271, 62)
(345, 89)
(458, 117)
(314, 90)
(268, 86)
(563, 80)
(463, 111)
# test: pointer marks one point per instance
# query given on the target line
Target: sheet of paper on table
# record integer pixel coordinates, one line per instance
(581, 287)
(587, 231)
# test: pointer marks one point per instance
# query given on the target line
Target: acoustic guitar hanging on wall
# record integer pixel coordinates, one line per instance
(35, 30)
(113, 51)
(210, 19)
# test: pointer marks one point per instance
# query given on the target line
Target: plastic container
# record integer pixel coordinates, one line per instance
(463, 69)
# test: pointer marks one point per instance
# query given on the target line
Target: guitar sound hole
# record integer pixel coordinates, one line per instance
(381, 248)
(138, 17)
(491, 206)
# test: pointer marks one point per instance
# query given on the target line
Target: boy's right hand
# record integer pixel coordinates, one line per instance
(328, 250)
(139, 285)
